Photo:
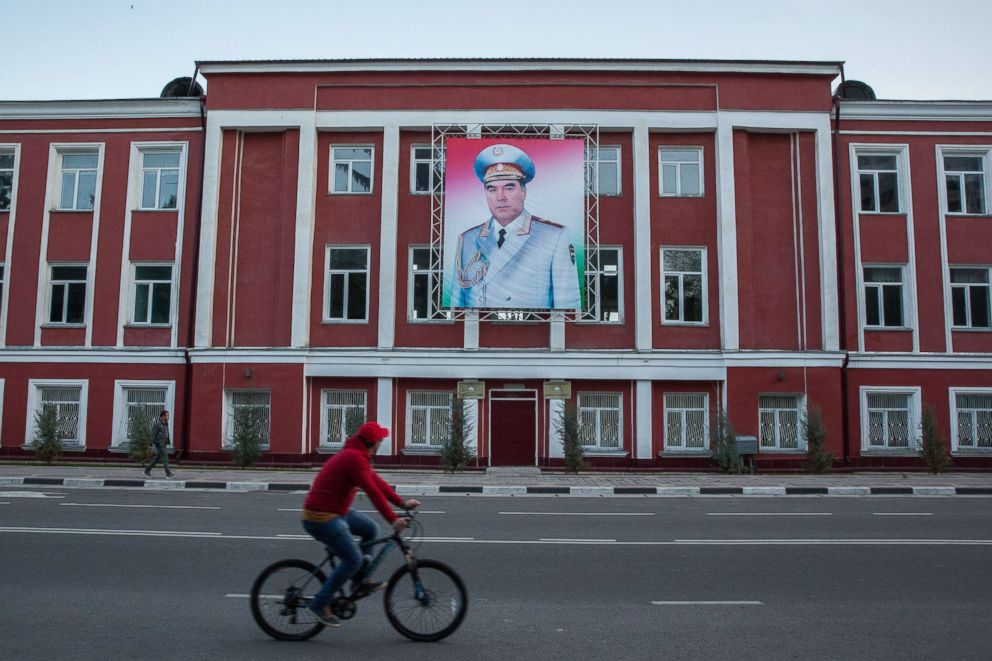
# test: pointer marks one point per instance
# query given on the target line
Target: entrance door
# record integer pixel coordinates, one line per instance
(513, 427)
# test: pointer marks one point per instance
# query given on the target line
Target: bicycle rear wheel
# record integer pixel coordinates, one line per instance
(280, 596)
(426, 605)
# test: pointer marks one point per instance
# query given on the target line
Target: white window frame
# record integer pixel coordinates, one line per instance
(681, 448)
(324, 442)
(593, 274)
(228, 422)
(678, 171)
(967, 299)
(132, 295)
(915, 407)
(144, 150)
(800, 411)
(597, 443)
(594, 185)
(984, 155)
(328, 272)
(34, 401)
(434, 314)
(436, 169)
(411, 443)
(955, 436)
(705, 287)
(351, 166)
(899, 153)
(119, 439)
(62, 152)
(65, 299)
(906, 293)
(8, 151)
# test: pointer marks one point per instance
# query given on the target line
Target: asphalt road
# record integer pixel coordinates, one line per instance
(108, 573)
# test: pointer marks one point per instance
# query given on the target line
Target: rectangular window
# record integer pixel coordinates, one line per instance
(6, 179)
(152, 294)
(681, 171)
(685, 421)
(878, 176)
(883, 296)
(424, 287)
(342, 412)
(605, 179)
(973, 426)
(964, 175)
(778, 422)
(257, 401)
(77, 175)
(970, 297)
(428, 418)
(140, 402)
(601, 420)
(891, 420)
(160, 179)
(684, 280)
(351, 169)
(67, 296)
(346, 287)
(67, 401)
(603, 271)
(426, 172)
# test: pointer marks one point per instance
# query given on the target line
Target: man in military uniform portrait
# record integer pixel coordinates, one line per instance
(514, 259)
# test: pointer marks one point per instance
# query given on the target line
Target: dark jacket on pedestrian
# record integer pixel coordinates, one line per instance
(160, 433)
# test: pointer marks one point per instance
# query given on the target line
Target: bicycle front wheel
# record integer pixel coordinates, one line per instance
(280, 597)
(428, 603)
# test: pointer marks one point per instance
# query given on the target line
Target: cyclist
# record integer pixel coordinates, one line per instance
(329, 518)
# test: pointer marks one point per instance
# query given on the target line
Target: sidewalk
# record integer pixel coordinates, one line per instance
(513, 481)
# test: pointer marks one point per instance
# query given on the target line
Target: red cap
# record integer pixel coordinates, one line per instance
(372, 432)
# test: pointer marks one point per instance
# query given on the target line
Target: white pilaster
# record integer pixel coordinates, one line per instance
(471, 323)
(387, 237)
(556, 407)
(208, 234)
(828, 237)
(557, 332)
(384, 414)
(642, 413)
(642, 237)
(303, 253)
(472, 422)
(727, 235)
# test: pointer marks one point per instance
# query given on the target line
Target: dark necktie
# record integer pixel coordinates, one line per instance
(502, 238)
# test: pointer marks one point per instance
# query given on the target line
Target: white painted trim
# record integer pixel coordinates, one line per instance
(119, 407)
(643, 324)
(914, 297)
(556, 332)
(472, 420)
(305, 222)
(940, 111)
(914, 418)
(389, 224)
(94, 246)
(470, 337)
(101, 109)
(952, 395)
(643, 419)
(826, 223)
(208, 233)
(132, 355)
(945, 270)
(33, 385)
(384, 407)
(178, 129)
(957, 134)
(9, 253)
(936, 361)
(726, 209)
(556, 408)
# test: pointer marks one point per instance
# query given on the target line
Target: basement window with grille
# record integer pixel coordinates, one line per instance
(337, 406)
(68, 399)
(258, 400)
(779, 422)
(139, 401)
(428, 420)
(971, 420)
(601, 421)
(890, 419)
(685, 422)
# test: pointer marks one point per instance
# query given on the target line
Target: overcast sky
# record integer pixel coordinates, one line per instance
(107, 49)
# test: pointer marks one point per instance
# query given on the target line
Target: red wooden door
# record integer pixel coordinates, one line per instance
(513, 429)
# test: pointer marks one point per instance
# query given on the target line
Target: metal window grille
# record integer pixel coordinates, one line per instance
(140, 401)
(337, 404)
(439, 136)
(600, 420)
(685, 421)
(249, 399)
(430, 418)
(889, 417)
(974, 420)
(778, 416)
(66, 402)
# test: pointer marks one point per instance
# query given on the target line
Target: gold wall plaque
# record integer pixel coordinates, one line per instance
(471, 390)
(558, 389)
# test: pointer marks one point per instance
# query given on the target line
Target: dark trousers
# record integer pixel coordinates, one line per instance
(161, 454)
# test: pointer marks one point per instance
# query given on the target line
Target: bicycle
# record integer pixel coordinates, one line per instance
(428, 607)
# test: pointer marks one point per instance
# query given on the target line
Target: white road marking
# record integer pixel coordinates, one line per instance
(902, 513)
(4, 503)
(567, 540)
(706, 603)
(164, 507)
(297, 509)
(769, 514)
(30, 494)
(582, 513)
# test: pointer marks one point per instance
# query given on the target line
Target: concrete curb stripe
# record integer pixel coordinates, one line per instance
(455, 489)
(677, 491)
(11, 481)
(849, 491)
(505, 490)
(806, 491)
(82, 482)
(891, 491)
(552, 490)
(721, 491)
(933, 491)
(973, 491)
(596, 491)
(247, 486)
(43, 480)
(764, 491)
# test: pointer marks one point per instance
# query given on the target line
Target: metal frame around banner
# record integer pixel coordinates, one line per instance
(439, 136)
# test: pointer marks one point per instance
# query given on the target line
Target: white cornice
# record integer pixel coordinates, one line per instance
(931, 111)
(101, 109)
(80, 355)
(937, 361)
(681, 66)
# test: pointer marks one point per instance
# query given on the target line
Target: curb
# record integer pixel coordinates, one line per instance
(434, 489)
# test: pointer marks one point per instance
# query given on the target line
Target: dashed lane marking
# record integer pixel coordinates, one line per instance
(707, 603)
(902, 513)
(164, 507)
(581, 513)
(769, 514)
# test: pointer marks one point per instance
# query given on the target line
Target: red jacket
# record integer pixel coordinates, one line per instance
(342, 475)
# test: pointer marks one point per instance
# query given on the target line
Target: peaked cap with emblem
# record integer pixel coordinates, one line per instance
(504, 163)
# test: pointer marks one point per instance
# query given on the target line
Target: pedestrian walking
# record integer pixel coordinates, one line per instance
(160, 445)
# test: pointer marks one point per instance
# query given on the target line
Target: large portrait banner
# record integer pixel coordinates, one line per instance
(514, 223)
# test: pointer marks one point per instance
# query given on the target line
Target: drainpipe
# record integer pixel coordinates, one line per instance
(194, 281)
(841, 298)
